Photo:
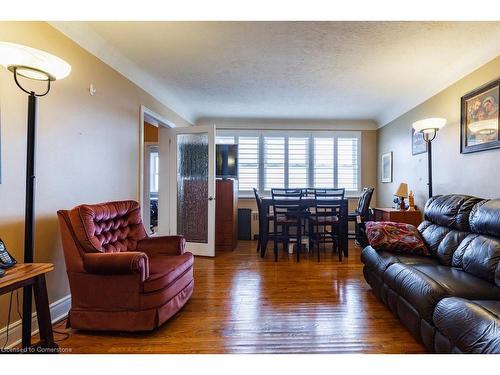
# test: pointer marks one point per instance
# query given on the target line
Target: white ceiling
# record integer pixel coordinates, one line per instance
(290, 70)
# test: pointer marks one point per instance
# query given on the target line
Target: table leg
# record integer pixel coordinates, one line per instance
(344, 229)
(43, 313)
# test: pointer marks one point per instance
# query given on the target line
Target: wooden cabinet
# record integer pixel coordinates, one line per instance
(226, 214)
(399, 216)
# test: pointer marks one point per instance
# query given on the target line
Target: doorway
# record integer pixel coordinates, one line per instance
(150, 126)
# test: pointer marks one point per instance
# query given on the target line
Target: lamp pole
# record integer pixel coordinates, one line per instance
(429, 166)
(29, 215)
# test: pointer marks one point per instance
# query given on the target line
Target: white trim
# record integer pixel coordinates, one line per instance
(58, 310)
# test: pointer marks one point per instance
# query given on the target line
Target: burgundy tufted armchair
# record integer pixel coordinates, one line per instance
(121, 279)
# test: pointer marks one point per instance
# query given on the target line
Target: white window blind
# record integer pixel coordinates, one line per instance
(298, 162)
(274, 162)
(324, 166)
(276, 159)
(248, 163)
(348, 166)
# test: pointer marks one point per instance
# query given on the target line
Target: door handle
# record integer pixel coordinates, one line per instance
(211, 198)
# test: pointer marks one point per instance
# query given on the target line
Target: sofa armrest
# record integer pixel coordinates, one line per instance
(123, 263)
(162, 245)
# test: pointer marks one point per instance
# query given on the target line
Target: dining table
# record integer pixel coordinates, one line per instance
(307, 203)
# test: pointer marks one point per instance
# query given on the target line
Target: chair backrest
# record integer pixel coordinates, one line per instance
(287, 201)
(364, 202)
(308, 192)
(107, 227)
(327, 201)
(258, 199)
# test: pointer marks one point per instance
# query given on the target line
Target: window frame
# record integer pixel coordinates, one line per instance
(311, 134)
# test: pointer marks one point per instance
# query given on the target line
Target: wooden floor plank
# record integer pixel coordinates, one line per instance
(245, 304)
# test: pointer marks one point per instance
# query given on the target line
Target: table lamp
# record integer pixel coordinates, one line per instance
(402, 193)
(36, 65)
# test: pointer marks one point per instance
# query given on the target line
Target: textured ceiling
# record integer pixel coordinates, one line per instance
(296, 70)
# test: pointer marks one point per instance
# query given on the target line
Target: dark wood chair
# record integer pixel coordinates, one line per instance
(288, 214)
(361, 215)
(270, 217)
(324, 220)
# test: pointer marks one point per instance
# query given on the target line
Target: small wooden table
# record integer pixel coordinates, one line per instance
(399, 216)
(26, 274)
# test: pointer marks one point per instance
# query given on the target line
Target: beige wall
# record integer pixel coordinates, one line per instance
(476, 174)
(87, 146)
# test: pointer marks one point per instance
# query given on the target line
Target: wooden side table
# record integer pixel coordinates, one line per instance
(25, 274)
(399, 216)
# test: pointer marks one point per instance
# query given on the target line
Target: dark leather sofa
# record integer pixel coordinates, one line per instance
(451, 300)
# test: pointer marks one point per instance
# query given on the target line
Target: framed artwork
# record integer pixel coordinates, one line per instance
(387, 167)
(480, 118)
(418, 145)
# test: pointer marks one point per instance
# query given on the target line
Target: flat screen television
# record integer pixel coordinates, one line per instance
(226, 161)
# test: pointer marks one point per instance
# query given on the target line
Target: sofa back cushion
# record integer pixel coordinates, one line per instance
(446, 224)
(479, 253)
(108, 227)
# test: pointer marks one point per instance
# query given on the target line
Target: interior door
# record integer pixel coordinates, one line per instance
(192, 187)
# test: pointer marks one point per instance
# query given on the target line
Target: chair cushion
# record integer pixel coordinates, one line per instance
(471, 326)
(164, 270)
(424, 285)
(324, 220)
(379, 261)
(395, 237)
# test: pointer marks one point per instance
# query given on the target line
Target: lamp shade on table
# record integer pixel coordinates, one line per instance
(402, 190)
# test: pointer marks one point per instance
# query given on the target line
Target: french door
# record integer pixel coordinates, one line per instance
(189, 177)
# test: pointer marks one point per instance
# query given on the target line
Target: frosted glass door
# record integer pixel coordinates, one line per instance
(193, 187)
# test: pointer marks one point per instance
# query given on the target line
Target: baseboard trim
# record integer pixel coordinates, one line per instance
(58, 310)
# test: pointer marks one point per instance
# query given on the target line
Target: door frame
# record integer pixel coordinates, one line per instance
(155, 119)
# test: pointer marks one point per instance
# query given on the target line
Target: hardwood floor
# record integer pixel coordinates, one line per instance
(245, 304)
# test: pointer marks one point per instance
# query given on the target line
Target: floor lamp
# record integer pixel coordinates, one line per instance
(429, 128)
(31, 64)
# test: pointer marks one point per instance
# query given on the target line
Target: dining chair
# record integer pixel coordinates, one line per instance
(288, 213)
(361, 215)
(324, 220)
(269, 217)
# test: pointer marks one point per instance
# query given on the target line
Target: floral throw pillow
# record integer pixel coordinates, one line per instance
(395, 237)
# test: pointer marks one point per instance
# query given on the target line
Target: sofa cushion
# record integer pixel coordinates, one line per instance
(485, 218)
(471, 326)
(442, 242)
(164, 270)
(424, 285)
(379, 261)
(480, 256)
(450, 211)
(395, 237)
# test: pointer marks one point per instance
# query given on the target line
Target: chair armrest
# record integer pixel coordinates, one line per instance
(124, 263)
(163, 245)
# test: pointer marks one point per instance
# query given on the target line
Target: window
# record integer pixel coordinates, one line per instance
(298, 162)
(324, 168)
(248, 163)
(274, 162)
(154, 168)
(274, 159)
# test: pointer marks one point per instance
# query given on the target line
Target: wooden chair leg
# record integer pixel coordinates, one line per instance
(258, 243)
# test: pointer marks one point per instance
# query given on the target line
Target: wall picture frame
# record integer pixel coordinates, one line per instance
(387, 167)
(418, 145)
(480, 118)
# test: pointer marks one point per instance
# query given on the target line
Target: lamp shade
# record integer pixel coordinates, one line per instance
(402, 190)
(429, 124)
(485, 127)
(32, 63)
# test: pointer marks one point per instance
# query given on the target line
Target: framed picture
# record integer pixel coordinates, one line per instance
(480, 118)
(387, 167)
(418, 145)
